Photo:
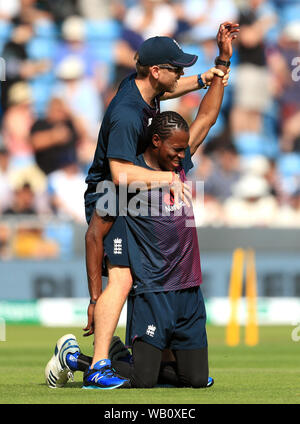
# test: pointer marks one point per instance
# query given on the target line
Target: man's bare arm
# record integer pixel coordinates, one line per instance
(136, 173)
(188, 84)
(211, 104)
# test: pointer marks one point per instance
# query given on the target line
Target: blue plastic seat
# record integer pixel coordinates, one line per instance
(5, 30)
(289, 164)
(102, 30)
(41, 48)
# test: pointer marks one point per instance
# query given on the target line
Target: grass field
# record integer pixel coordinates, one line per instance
(267, 373)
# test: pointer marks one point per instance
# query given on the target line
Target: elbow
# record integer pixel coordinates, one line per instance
(115, 179)
(212, 122)
(90, 237)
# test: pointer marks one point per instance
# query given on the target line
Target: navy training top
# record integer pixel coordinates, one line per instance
(162, 243)
(122, 134)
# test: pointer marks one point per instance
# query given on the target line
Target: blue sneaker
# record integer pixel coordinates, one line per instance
(103, 376)
(210, 382)
(57, 371)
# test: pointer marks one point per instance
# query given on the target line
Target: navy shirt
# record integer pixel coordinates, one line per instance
(122, 133)
(163, 249)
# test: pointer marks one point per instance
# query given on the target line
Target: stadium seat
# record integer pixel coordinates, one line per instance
(108, 30)
(63, 235)
(249, 144)
(290, 13)
(41, 48)
(101, 36)
(45, 29)
(42, 90)
(5, 30)
(289, 164)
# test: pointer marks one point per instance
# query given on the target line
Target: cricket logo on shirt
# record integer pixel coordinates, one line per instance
(150, 330)
(169, 202)
(117, 246)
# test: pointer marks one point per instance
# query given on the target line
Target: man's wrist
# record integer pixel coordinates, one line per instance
(201, 82)
(93, 301)
(223, 60)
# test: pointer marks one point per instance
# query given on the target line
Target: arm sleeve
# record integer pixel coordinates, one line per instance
(124, 136)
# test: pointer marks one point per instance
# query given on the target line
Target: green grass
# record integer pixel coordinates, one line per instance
(267, 373)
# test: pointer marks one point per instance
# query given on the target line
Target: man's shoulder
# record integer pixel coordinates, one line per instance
(125, 110)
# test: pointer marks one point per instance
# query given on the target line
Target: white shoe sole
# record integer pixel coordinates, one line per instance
(57, 373)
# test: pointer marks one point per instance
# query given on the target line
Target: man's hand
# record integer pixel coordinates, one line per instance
(90, 325)
(228, 32)
(208, 76)
(181, 192)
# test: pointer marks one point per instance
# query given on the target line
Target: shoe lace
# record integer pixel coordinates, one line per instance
(108, 371)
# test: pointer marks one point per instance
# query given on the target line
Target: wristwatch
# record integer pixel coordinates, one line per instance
(201, 83)
(221, 62)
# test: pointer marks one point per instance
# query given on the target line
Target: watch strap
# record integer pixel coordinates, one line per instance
(221, 62)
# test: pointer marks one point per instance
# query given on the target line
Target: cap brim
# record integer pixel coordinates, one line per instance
(185, 60)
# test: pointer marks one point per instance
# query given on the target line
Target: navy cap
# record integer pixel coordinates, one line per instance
(160, 50)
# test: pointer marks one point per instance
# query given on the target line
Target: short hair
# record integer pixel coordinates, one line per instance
(165, 123)
(142, 70)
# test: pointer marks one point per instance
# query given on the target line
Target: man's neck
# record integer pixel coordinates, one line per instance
(151, 160)
(148, 92)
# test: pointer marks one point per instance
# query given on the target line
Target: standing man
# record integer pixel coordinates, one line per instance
(165, 308)
(160, 64)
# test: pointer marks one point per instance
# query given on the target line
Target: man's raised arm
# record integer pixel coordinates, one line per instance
(211, 104)
(195, 82)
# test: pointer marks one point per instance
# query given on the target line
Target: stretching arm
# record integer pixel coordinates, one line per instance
(211, 104)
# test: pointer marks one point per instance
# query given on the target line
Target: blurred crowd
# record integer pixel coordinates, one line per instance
(62, 62)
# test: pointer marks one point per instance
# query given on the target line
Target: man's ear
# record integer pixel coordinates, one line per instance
(154, 71)
(156, 140)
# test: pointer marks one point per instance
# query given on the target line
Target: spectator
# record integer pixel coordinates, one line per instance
(66, 188)
(6, 191)
(289, 213)
(29, 242)
(150, 18)
(54, 138)
(74, 44)
(19, 67)
(224, 173)
(59, 10)
(79, 94)
(9, 9)
(5, 237)
(283, 63)
(31, 11)
(17, 121)
(263, 167)
(204, 16)
(12, 177)
(251, 204)
(252, 93)
(95, 9)
(23, 202)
